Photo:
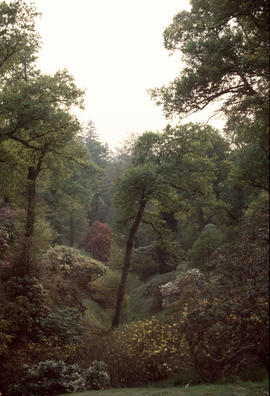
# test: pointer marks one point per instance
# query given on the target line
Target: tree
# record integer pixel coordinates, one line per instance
(197, 161)
(225, 47)
(167, 168)
(209, 241)
(19, 41)
(35, 114)
(97, 241)
(137, 187)
(99, 154)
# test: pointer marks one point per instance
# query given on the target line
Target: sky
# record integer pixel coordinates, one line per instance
(114, 49)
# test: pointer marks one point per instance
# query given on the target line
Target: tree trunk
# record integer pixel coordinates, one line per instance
(72, 230)
(93, 214)
(30, 217)
(201, 221)
(127, 262)
(33, 173)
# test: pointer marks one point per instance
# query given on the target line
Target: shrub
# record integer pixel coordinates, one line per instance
(223, 316)
(5, 230)
(49, 378)
(63, 323)
(97, 241)
(96, 376)
(144, 262)
(258, 209)
(143, 351)
(4, 240)
(5, 337)
(25, 306)
(73, 265)
(39, 243)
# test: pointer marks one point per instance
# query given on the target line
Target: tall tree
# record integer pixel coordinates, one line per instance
(19, 40)
(225, 47)
(137, 187)
(35, 114)
(167, 169)
(99, 154)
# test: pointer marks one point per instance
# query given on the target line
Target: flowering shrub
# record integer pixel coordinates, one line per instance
(97, 241)
(73, 265)
(223, 315)
(142, 351)
(96, 376)
(48, 378)
(172, 290)
(215, 323)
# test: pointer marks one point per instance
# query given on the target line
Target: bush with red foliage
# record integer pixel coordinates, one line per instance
(97, 241)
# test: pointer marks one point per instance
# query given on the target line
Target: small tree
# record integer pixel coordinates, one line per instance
(97, 241)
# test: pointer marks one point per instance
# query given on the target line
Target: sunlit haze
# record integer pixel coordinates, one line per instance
(114, 49)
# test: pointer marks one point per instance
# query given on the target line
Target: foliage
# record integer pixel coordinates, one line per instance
(142, 351)
(257, 210)
(25, 306)
(183, 189)
(209, 241)
(145, 300)
(4, 240)
(225, 48)
(63, 325)
(48, 378)
(73, 265)
(5, 336)
(104, 289)
(95, 318)
(19, 40)
(144, 262)
(39, 243)
(96, 376)
(219, 29)
(224, 316)
(215, 323)
(6, 231)
(98, 241)
(148, 193)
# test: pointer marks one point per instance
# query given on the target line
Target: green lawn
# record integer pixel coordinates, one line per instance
(241, 389)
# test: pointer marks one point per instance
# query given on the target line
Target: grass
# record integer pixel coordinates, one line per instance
(239, 389)
(145, 300)
(95, 317)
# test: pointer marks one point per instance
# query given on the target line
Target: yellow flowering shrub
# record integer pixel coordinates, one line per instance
(142, 351)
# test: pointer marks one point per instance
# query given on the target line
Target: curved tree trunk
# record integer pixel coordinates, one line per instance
(127, 262)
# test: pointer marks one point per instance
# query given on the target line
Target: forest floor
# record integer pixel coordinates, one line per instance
(239, 389)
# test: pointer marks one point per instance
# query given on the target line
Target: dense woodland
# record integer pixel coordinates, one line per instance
(121, 269)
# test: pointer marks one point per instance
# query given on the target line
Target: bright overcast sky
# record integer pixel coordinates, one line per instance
(114, 49)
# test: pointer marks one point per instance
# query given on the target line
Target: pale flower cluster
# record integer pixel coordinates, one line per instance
(171, 290)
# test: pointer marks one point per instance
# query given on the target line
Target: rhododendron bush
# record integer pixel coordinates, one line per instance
(97, 241)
